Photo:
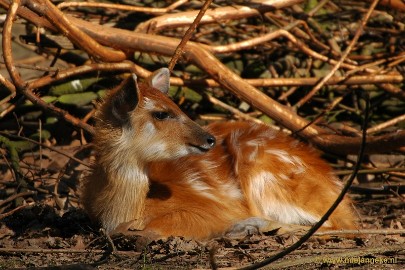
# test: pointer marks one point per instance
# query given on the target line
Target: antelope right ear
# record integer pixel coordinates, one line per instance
(125, 99)
(160, 79)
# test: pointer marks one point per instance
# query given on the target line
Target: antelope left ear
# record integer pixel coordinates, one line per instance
(160, 79)
(125, 100)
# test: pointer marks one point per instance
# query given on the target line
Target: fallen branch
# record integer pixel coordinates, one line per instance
(233, 12)
(127, 40)
(147, 10)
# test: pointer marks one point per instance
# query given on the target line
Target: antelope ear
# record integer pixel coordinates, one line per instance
(160, 79)
(125, 99)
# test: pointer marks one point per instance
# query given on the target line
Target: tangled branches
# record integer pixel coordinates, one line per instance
(112, 49)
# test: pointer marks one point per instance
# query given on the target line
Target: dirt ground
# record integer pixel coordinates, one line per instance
(51, 231)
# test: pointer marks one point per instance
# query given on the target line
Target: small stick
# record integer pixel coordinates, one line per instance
(386, 124)
(342, 59)
(187, 35)
(15, 210)
(15, 196)
(47, 146)
(148, 10)
(236, 112)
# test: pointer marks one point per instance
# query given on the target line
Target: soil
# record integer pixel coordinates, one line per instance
(50, 230)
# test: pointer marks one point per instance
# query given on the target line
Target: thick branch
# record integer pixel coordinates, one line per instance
(233, 12)
(229, 80)
(127, 40)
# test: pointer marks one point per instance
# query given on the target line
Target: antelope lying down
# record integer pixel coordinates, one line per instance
(159, 172)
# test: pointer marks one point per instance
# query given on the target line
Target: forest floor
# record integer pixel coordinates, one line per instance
(51, 230)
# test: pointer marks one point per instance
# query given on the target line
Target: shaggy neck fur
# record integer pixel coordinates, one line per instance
(126, 186)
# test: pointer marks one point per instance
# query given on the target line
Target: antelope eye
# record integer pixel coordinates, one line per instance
(161, 115)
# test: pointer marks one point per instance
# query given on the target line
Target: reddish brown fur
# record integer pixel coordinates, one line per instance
(253, 171)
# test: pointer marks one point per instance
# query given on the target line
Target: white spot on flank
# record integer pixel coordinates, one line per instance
(231, 190)
(283, 156)
(196, 182)
(262, 181)
(262, 188)
(299, 165)
(253, 155)
(288, 213)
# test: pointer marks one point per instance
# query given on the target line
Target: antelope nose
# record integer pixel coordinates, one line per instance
(206, 142)
(211, 141)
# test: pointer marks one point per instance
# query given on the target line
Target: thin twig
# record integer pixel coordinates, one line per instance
(236, 112)
(342, 59)
(47, 146)
(18, 208)
(15, 196)
(360, 232)
(386, 124)
(64, 251)
(147, 10)
(179, 50)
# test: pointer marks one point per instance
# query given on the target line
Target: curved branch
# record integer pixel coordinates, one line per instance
(229, 80)
(222, 13)
(128, 40)
(147, 10)
(6, 42)
(75, 71)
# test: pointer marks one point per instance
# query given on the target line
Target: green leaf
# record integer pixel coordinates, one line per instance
(78, 99)
(71, 87)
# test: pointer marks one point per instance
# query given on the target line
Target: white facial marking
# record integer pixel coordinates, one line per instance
(149, 129)
(181, 152)
(149, 104)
